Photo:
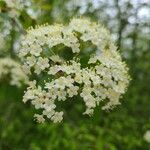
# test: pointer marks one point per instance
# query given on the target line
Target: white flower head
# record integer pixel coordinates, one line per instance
(12, 68)
(104, 77)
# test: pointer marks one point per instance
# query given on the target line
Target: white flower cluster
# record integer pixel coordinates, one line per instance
(104, 78)
(15, 6)
(12, 69)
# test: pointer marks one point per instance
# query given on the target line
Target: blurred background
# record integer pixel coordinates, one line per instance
(120, 129)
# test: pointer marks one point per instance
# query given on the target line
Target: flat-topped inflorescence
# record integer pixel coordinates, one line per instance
(105, 76)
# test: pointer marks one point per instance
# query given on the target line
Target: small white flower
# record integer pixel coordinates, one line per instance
(29, 95)
(39, 118)
(48, 113)
(61, 95)
(35, 50)
(57, 117)
(56, 58)
(88, 111)
(73, 90)
(31, 61)
(43, 63)
(37, 69)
